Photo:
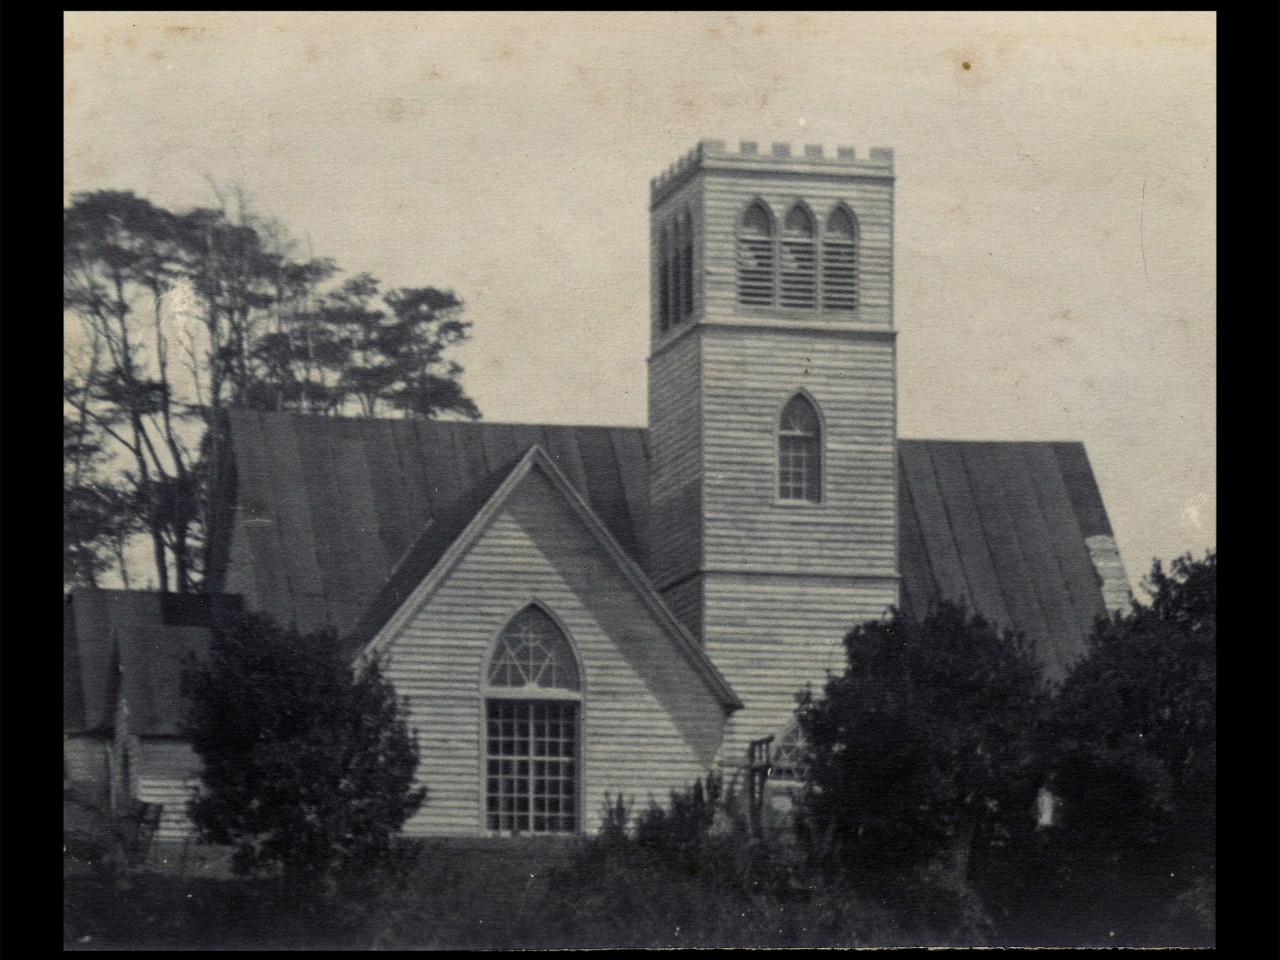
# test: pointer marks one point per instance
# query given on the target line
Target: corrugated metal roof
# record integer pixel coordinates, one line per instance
(329, 507)
(1002, 526)
(133, 644)
(342, 516)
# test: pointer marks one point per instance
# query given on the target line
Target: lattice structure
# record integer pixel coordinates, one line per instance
(532, 651)
(799, 452)
(532, 767)
(790, 760)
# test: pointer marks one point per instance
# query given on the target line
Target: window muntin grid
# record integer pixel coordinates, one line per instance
(531, 766)
(532, 651)
(799, 452)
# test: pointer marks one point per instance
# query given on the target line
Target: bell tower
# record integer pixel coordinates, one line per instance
(772, 412)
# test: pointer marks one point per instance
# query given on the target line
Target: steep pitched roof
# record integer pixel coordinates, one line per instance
(326, 508)
(338, 519)
(1011, 529)
(133, 644)
(438, 552)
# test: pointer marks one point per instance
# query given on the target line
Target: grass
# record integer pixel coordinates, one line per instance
(526, 893)
(461, 895)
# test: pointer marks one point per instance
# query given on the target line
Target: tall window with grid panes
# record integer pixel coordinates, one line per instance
(532, 756)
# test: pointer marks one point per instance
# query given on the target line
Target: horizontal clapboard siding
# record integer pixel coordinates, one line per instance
(649, 724)
(167, 771)
(84, 760)
(773, 635)
(747, 378)
(726, 197)
(676, 461)
(684, 599)
(687, 200)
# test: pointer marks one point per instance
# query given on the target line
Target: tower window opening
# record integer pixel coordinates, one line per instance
(677, 278)
(798, 273)
(664, 281)
(840, 261)
(686, 266)
(755, 257)
(799, 452)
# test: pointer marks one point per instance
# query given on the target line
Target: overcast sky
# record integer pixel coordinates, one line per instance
(1054, 224)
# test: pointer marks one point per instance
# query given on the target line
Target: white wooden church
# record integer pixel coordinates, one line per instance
(579, 610)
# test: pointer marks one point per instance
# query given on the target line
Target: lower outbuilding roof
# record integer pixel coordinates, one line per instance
(131, 644)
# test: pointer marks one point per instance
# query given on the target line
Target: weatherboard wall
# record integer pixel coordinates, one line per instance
(649, 724)
(773, 635)
(166, 771)
(728, 193)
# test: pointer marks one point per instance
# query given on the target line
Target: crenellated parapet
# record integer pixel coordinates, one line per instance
(810, 159)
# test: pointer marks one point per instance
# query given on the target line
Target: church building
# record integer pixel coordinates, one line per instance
(573, 611)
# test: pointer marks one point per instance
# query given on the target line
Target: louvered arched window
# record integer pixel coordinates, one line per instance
(675, 272)
(755, 257)
(532, 762)
(800, 451)
(798, 273)
(686, 266)
(840, 261)
(665, 298)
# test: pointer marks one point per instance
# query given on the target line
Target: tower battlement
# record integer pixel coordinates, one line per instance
(810, 157)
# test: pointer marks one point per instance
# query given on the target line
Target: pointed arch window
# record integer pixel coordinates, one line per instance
(686, 266)
(675, 272)
(755, 257)
(840, 261)
(665, 311)
(800, 452)
(532, 761)
(798, 272)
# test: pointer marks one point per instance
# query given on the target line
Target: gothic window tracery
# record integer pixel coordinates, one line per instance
(532, 750)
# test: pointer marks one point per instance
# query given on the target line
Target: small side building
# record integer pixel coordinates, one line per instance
(123, 652)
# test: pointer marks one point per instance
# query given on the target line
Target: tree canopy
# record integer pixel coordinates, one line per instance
(171, 318)
(925, 744)
(1134, 728)
(308, 767)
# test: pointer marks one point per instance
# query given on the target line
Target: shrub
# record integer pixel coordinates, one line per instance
(308, 766)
